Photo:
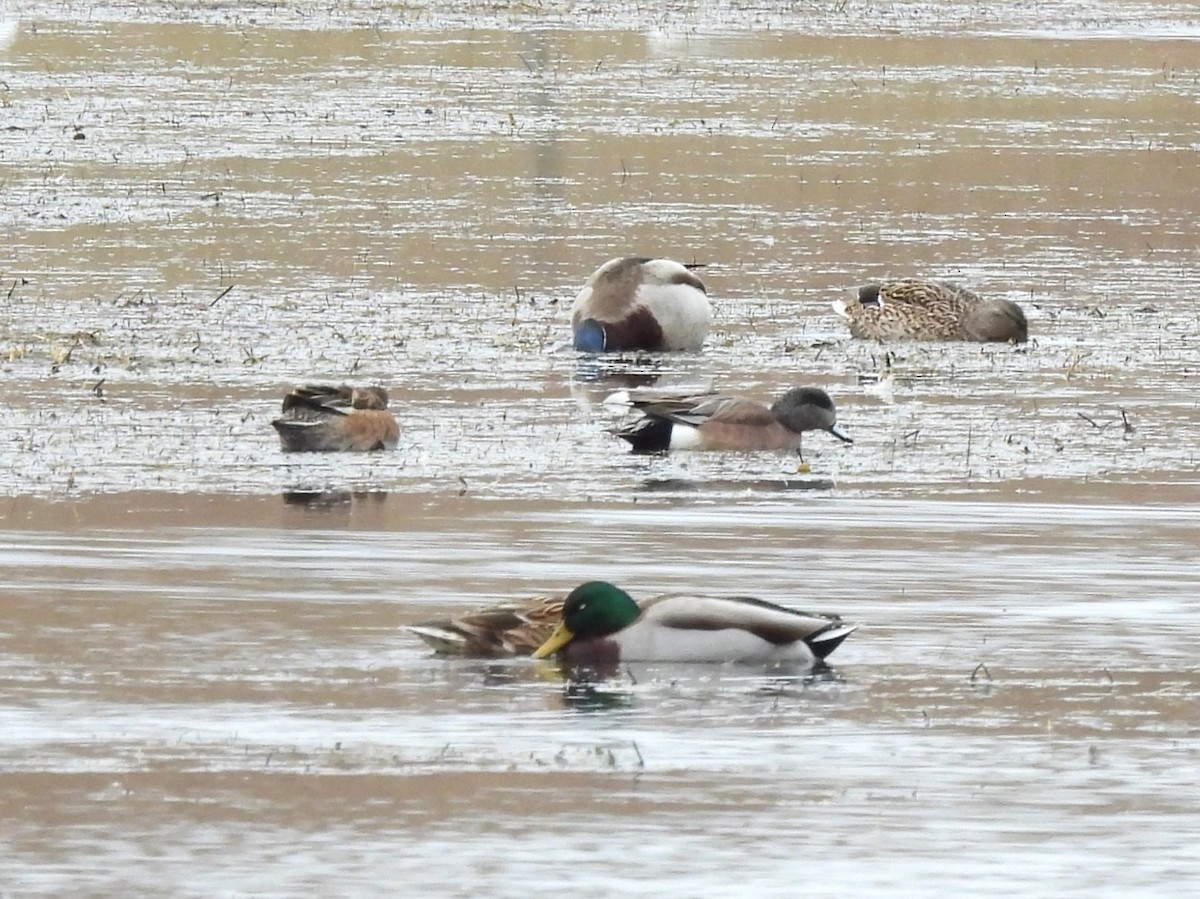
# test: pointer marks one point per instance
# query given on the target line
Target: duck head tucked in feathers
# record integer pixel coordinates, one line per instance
(638, 303)
(920, 309)
(327, 418)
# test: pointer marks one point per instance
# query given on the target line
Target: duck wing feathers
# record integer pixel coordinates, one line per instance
(319, 398)
(696, 410)
(513, 628)
(934, 296)
(774, 624)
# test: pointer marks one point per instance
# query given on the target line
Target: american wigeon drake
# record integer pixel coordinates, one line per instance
(602, 625)
(322, 418)
(915, 309)
(512, 628)
(638, 303)
(715, 421)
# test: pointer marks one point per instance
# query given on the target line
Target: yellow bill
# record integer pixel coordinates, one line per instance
(556, 641)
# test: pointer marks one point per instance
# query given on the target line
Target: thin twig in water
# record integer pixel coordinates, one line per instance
(1091, 422)
(969, 435)
(975, 674)
(218, 297)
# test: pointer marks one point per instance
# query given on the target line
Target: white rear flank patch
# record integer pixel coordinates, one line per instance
(684, 437)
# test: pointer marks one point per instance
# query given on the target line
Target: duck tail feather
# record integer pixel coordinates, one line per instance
(649, 435)
(826, 640)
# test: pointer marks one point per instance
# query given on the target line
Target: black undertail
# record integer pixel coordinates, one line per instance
(826, 640)
(650, 435)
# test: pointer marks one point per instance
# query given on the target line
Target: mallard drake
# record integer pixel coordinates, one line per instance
(636, 303)
(602, 625)
(324, 418)
(915, 309)
(513, 628)
(715, 421)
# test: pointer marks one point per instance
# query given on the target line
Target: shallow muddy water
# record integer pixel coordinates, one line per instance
(206, 688)
(234, 708)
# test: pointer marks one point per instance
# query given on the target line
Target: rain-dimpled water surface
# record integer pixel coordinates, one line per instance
(206, 684)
